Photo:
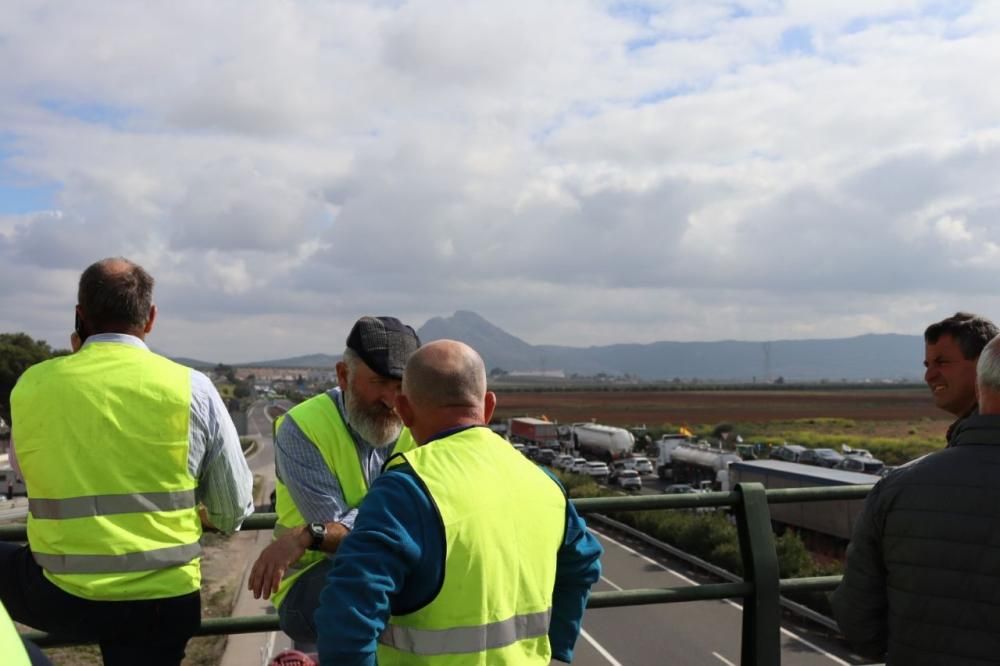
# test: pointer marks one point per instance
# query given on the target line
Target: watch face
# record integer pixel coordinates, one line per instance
(318, 532)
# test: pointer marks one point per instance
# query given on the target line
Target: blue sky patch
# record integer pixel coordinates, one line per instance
(797, 40)
(17, 199)
(89, 112)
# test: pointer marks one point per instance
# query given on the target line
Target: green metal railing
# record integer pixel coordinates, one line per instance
(760, 588)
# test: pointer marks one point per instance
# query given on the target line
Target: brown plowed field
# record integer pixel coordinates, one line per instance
(706, 407)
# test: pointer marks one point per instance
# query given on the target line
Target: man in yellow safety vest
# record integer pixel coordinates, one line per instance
(464, 552)
(126, 455)
(328, 450)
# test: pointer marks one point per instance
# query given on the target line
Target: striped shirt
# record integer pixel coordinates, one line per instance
(215, 457)
(313, 487)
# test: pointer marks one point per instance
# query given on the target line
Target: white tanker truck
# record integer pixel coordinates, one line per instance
(601, 441)
(694, 464)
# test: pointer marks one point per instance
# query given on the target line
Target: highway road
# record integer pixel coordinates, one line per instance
(694, 633)
(704, 632)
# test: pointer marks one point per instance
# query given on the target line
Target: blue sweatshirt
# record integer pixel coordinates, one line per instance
(392, 560)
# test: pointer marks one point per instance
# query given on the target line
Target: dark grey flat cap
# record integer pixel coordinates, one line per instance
(384, 344)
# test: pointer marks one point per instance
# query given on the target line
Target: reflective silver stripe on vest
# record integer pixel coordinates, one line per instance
(108, 505)
(466, 639)
(148, 560)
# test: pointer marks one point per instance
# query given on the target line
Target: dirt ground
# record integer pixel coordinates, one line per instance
(657, 408)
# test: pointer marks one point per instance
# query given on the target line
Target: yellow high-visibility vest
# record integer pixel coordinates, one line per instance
(504, 521)
(102, 440)
(11, 648)
(320, 421)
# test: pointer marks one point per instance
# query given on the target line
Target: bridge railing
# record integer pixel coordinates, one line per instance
(760, 587)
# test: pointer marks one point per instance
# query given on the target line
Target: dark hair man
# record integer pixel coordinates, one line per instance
(951, 349)
(921, 585)
(328, 451)
(464, 552)
(118, 446)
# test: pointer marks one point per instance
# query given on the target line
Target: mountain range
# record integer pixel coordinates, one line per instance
(864, 357)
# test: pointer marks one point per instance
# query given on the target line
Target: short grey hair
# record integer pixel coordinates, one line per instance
(457, 379)
(351, 359)
(988, 367)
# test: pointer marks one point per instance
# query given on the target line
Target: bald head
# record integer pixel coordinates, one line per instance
(115, 295)
(445, 373)
(444, 386)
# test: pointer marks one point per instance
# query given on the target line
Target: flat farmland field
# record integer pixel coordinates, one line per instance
(898, 413)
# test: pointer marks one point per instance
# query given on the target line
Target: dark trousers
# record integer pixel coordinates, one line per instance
(150, 632)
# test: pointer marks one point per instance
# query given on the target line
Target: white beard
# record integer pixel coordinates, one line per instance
(376, 425)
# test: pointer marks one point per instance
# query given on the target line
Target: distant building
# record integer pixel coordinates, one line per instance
(552, 374)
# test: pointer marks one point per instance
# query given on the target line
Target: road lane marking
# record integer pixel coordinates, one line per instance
(723, 659)
(732, 603)
(600, 649)
(617, 587)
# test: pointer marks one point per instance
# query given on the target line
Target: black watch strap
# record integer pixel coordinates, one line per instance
(317, 531)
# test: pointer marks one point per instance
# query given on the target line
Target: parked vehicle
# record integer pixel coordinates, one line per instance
(546, 456)
(828, 524)
(642, 465)
(629, 478)
(860, 463)
(605, 442)
(821, 457)
(664, 448)
(597, 470)
(563, 461)
(578, 465)
(697, 463)
(787, 452)
(679, 489)
(532, 430)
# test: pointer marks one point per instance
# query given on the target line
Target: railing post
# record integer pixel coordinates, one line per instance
(761, 640)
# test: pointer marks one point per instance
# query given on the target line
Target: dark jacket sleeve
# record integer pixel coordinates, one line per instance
(860, 603)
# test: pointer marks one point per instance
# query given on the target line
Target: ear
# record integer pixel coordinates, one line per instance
(342, 375)
(489, 405)
(405, 410)
(152, 318)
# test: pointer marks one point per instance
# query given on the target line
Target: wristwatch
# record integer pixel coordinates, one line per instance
(317, 531)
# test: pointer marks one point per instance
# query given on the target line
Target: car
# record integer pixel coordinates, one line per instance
(546, 456)
(787, 452)
(642, 465)
(679, 489)
(518, 447)
(857, 463)
(820, 457)
(530, 451)
(597, 470)
(629, 478)
(563, 461)
(578, 466)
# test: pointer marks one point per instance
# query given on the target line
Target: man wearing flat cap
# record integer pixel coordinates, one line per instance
(328, 451)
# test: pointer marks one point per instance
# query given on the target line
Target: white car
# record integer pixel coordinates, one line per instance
(597, 470)
(642, 465)
(578, 466)
(563, 461)
(629, 478)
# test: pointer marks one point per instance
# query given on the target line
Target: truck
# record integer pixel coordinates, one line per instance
(698, 463)
(664, 446)
(529, 430)
(825, 526)
(601, 441)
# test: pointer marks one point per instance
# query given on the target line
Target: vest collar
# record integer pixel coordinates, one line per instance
(120, 338)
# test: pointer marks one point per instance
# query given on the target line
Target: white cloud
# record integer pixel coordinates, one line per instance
(579, 172)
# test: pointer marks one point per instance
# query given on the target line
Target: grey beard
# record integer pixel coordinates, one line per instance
(377, 427)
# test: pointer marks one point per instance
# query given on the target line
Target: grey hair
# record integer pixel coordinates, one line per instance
(351, 358)
(988, 367)
(458, 380)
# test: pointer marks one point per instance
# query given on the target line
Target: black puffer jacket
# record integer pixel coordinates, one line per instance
(922, 584)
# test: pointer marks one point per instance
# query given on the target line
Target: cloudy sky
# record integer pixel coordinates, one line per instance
(576, 172)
